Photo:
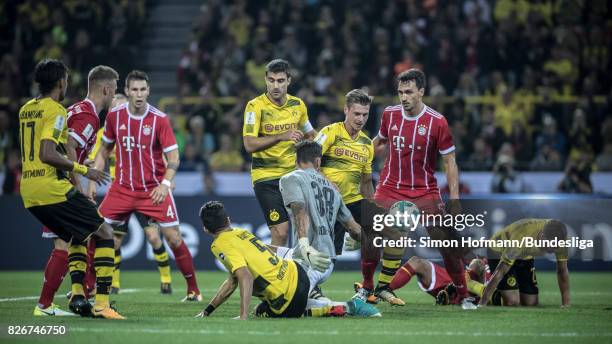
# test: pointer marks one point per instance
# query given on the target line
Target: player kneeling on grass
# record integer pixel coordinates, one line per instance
(281, 284)
(514, 274)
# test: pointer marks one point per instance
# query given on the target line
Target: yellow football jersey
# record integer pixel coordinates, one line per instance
(111, 158)
(274, 279)
(42, 184)
(345, 160)
(264, 118)
(518, 230)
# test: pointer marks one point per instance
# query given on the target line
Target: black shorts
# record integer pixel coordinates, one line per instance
(123, 228)
(363, 212)
(521, 276)
(74, 219)
(297, 306)
(271, 201)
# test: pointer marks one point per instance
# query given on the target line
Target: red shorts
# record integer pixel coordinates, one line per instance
(47, 233)
(439, 280)
(429, 202)
(119, 204)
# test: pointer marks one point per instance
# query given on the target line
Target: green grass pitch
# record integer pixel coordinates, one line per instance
(155, 318)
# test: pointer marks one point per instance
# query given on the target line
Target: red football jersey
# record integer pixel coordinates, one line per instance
(140, 142)
(83, 126)
(414, 144)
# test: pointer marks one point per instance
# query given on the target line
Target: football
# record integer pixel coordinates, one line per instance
(406, 215)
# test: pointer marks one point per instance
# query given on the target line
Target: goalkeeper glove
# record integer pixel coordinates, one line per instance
(317, 260)
(351, 244)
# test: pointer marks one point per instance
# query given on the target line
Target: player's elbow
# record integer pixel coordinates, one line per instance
(248, 146)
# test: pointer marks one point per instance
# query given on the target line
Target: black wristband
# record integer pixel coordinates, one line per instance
(209, 309)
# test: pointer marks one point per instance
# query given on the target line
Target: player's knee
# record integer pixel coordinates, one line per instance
(511, 302)
(60, 244)
(105, 232)
(529, 301)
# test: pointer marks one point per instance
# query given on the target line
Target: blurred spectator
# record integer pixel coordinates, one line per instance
(203, 142)
(505, 178)
(227, 158)
(12, 175)
(577, 178)
(604, 159)
(547, 159)
(481, 159)
(552, 137)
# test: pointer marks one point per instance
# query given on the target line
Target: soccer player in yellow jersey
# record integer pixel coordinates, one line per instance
(48, 193)
(273, 123)
(281, 284)
(514, 271)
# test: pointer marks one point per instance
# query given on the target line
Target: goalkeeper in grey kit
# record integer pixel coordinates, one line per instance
(314, 205)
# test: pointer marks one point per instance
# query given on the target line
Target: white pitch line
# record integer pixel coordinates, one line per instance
(23, 298)
(352, 333)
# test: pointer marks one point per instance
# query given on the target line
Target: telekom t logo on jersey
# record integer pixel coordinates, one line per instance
(398, 142)
(128, 143)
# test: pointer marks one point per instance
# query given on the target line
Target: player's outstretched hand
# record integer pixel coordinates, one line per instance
(100, 177)
(292, 135)
(159, 194)
(351, 244)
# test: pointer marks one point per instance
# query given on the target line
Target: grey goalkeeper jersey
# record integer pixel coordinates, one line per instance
(323, 204)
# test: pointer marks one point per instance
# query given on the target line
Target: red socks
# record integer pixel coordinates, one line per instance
(90, 273)
(456, 271)
(368, 268)
(184, 261)
(56, 269)
(402, 277)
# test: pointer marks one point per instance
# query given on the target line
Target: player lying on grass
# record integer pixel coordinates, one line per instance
(514, 272)
(435, 281)
(282, 284)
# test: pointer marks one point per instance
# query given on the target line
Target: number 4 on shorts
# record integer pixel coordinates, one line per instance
(170, 213)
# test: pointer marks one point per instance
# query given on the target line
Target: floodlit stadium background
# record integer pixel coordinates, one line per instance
(526, 88)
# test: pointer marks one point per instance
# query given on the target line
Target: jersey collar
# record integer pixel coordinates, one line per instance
(127, 108)
(92, 105)
(410, 118)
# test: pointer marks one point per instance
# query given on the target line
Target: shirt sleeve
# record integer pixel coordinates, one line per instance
(290, 189)
(166, 136)
(252, 119)
(229, 256)
(367, 168)
(562, 254)
(54, 125)
(344, 214)
(305, 125)
(383, 132)
(81, 127)
(509, 256)
(109, 134)
(445, 138)
(325, 138)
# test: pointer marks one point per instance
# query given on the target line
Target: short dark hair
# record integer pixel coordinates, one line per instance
(47, 73)
(555, 229)
(279, 66)
(136, 75)
(412, 74)
(213, 216)
(357, 96)
(102, 73)
(308, 151)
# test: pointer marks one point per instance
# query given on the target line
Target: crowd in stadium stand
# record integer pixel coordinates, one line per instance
(540, 71)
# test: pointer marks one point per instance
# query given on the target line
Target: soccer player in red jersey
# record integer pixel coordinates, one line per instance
(435, 281)
(142, 183)
(83, 125)
(414, 134)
